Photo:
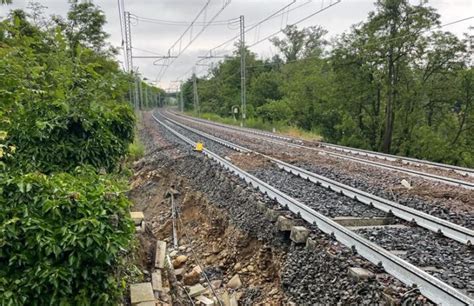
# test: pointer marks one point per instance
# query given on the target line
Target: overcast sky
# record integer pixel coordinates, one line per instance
(158, 38)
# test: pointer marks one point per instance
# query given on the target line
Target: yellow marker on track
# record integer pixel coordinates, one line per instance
(199, 147)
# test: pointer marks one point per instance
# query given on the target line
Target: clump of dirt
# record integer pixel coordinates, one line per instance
(249, 161)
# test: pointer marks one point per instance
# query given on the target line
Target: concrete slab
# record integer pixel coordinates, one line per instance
(153, 303)
(204, 300)
(196, 290)
(141, 292)
(160, 254)
(299, 234)
(354, 221)
(137, 217)
(272, 215)
(360, 273)
(284, 224)
(157, 281)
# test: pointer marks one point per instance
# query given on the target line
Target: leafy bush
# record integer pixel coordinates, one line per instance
(61, 238)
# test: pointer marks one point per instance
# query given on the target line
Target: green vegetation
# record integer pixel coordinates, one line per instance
(394, 83)
(65, 127)
(261, 124)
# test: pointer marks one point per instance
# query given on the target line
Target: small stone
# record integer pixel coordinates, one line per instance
(178, 272)
(191, 278)
(173, 253)
(235, 282)
(237, 266)
(216, 284)
(250, 268)
(179, 261)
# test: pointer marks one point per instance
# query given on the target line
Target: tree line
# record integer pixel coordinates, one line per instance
(396, 82)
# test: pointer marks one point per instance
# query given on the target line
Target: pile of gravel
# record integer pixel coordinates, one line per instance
(328, 203)
(385, 181)
(450, 261)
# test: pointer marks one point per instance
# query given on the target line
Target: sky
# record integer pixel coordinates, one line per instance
(151, 38)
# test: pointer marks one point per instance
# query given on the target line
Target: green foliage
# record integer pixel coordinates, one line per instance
(64, 228)
(136, 150)
(391, 83)
(65, 112)
(61, 238)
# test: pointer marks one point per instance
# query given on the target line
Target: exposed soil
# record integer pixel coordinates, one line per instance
(223, 232)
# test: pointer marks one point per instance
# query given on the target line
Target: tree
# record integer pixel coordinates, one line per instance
(85, 26)
(300, 43)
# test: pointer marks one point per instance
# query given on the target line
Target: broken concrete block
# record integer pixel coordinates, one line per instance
(261, 207)
(311, 244)
(284, 224)
(406, 184)
(204, 300)
(137, 217)
(142, 292)
(160, 254)
(196, 290)
(233, 300)
(151, 303)
(272, 215)
(157, 281)
(360, 273)
(235, 282)
(299, 234)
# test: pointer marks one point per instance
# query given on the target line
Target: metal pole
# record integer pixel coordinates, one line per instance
(195, 93)
(146, 97)
(243, 99)
(181, 97)
(140, 86)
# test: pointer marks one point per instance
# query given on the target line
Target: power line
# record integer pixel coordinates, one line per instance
(299, 21)
(225, 4)
(183, 23)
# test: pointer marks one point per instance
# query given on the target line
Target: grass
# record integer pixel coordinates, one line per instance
(279, 127)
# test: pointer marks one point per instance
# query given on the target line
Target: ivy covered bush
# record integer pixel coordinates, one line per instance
(61, 238)
(65, 126)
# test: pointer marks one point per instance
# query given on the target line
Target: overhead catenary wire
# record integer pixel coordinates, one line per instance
(331, 4)
(169, 63)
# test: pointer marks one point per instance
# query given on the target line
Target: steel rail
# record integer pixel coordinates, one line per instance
(384, 156)
(433, 177)
(431, 287)
(432, 223)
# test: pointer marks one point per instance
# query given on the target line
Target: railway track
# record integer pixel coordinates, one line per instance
(431, 287)
(323, 148)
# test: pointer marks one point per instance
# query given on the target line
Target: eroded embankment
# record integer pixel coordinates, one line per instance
(224, 231)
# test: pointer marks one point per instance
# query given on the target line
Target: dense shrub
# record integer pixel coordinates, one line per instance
(64, 222)
(61, 237)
